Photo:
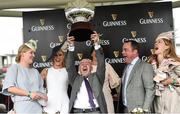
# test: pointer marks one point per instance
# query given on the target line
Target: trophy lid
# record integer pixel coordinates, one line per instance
(81, 31)
(79, 13)
(79, 10)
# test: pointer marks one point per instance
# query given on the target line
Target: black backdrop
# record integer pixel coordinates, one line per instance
(141, 22)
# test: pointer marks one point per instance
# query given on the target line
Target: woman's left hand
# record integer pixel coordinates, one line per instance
(35, 96)
(167, 81)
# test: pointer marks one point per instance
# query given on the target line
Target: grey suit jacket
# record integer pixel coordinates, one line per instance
(96, 80)
(140, 86)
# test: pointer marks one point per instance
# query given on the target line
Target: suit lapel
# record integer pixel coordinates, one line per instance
(79, 83)
(94, 89)
(135, 67)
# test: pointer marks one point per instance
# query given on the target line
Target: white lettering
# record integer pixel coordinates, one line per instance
(151, 21)
(102, 42)
(139, 40)
(114, 23)
(42, 28)
(144, 58)
(40, 65)
(115, 60)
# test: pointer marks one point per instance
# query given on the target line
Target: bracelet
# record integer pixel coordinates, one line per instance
(29, 94)
(174, 81)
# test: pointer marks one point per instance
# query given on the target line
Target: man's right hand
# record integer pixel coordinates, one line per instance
(71, 40)
(95, 37)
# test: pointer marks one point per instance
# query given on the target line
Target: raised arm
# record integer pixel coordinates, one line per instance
(70, 61)
(100, 57)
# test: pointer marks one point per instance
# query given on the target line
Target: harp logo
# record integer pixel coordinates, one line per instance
(44, 58)
(133, 33)
(80, 56)
(151, 14)
(114, 16)
(116, 53)
(42, 22)
(61, 38)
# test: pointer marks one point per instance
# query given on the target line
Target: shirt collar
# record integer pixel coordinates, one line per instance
(134, 61)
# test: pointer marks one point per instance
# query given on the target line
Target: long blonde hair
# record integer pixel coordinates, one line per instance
(22, 49)
(170, 52)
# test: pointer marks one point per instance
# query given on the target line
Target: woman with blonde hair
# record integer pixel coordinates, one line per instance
(166, 66)
(24, 83)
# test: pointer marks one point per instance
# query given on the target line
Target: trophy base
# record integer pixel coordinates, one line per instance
(81, 31)
(81, 34)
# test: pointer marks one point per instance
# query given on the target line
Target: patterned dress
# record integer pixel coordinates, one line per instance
(167, 98)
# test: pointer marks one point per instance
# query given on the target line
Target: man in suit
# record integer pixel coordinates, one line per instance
(80, 101)
(137, 82)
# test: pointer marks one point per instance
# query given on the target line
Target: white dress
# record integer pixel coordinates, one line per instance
(57, 85)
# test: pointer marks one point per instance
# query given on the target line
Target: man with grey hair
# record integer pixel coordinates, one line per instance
(86, 94)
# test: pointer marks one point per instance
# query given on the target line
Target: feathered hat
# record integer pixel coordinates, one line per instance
(166, 35)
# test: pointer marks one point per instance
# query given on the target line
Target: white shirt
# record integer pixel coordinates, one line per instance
(125, 79)
(82, 100)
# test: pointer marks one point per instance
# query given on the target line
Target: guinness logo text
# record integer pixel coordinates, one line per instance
(42, 27)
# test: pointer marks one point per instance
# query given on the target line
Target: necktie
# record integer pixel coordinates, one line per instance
(90, 93)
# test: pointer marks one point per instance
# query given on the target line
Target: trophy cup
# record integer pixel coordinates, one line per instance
(79, 13)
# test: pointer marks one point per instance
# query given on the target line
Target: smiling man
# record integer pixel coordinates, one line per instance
(137, 81)
(86, 94)
(85, 67)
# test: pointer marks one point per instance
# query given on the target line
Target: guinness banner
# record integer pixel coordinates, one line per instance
(141, 22)
(49, 28)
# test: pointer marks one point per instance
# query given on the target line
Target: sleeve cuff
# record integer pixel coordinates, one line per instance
(97, 46)
(71, 48)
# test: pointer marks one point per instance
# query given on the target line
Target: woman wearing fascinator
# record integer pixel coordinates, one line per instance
(56, 79)
(23, 83)
(166, 66)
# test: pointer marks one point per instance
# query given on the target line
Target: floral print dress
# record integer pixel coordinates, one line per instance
(167, 98)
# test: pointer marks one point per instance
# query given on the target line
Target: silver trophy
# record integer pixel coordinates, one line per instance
(79, 13)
